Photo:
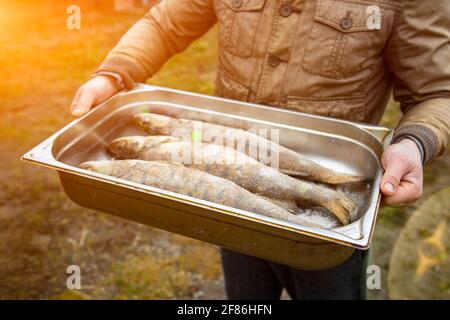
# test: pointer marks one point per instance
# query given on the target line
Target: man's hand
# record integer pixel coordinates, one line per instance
(93, 92)
(403, 177)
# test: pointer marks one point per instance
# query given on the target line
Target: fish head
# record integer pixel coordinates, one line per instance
(153, 123)
(127, 147)
(155, 141)
(134, 146)
(103, 167)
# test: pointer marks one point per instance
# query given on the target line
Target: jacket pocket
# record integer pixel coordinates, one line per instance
(346, 108)
(346, 37)
(227, 87)
(238, 22)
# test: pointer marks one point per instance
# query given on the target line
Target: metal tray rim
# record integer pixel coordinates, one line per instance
(42, 155)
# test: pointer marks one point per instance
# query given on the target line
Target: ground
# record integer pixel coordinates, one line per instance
(41, 65)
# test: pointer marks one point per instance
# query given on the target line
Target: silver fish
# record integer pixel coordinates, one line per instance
(198, 184)
(236, 166)
(290, 162)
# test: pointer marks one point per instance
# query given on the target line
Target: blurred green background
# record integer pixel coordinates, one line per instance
(42, 63)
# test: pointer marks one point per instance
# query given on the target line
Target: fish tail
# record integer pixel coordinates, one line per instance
(288, 205)
(342, 207)
(341, 178)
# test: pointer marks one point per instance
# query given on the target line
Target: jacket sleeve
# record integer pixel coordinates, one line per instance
(168, 28)
(418, 55)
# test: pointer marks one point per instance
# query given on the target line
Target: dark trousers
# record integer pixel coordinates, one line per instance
(247, 277)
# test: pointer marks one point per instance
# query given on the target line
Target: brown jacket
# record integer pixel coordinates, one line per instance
(337, 58)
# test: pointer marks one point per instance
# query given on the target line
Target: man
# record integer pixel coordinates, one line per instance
(336, 58)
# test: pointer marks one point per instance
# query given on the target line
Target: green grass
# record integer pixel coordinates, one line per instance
(392, 216)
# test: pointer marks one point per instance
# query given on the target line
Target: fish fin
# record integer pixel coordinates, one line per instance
(342, 207)
(294, 173)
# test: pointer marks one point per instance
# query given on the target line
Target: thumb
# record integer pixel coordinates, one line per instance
(82, 103)
(395, 169)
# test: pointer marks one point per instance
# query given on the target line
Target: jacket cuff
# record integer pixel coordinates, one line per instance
(118, 80)
(426, 136)
(128, 70)
(417, 142)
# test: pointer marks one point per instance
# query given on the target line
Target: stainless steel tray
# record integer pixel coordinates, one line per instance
(345, 146)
